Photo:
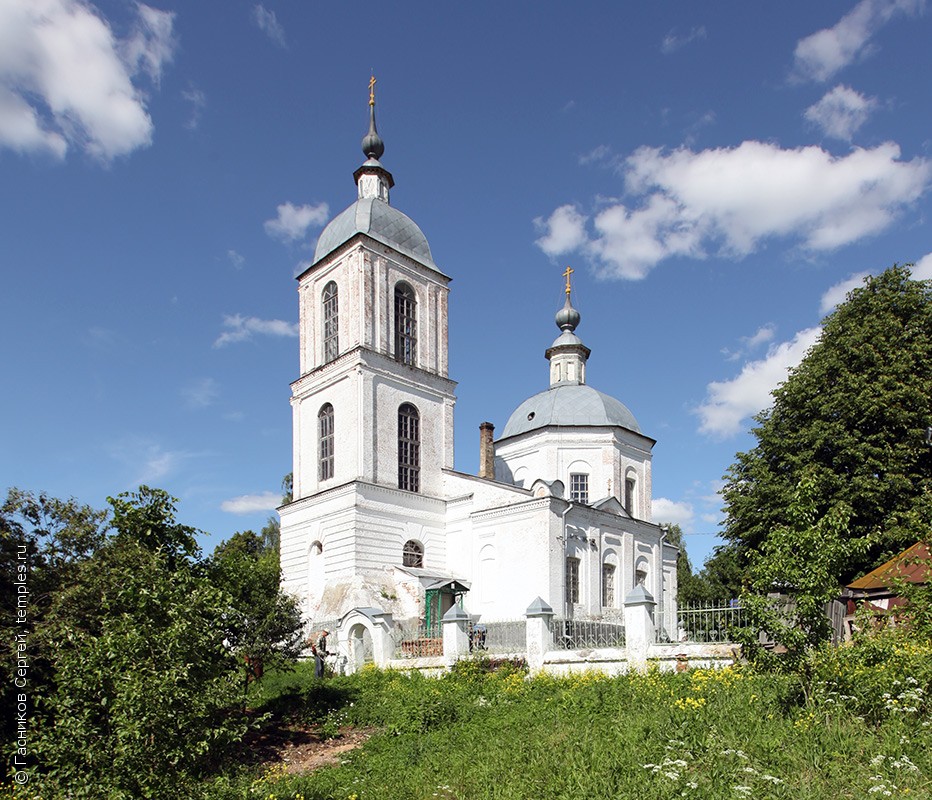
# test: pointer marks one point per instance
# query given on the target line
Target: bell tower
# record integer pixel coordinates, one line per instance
(373, 404)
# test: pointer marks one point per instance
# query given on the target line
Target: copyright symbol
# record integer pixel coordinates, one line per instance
(21, 777)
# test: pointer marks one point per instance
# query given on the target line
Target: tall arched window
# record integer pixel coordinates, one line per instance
(325, 452)
(413, 554)
(331, 318)
(409, 448)
(405, 324)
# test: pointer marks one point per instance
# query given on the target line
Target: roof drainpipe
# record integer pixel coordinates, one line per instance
(567, 608)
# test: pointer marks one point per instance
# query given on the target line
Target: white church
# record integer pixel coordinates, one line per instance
(381, 521)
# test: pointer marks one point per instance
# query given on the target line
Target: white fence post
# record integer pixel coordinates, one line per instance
(455, 635)
(640, 631)
(539, 617)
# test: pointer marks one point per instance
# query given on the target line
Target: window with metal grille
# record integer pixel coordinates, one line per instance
(409, 448)
(405, 324)
(325, 430)
(579, 487)
(413, 554)
(608, 585)
(331, 317)
(572, 580)
(630, 485)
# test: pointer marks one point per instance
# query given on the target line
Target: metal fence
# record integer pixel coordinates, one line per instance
(504, 636)
(709, 622)
(575, 634)
(418, 642)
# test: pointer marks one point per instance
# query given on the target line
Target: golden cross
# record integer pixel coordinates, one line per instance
(372, 90)
(569, 271)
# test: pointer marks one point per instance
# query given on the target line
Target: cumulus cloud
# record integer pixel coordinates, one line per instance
(822, 54)
(729, 403)
(293, 221)
(67, 80)
(839, 292)
(252, 503)
(200, 393)
(729, 201)
(674, 41)
(240, 329)
(268, 23)
(672, 512)
(922, 269)
(564, 231)
(841, 112)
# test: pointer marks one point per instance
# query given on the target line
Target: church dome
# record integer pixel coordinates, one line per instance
(569, 405)
(380, 221)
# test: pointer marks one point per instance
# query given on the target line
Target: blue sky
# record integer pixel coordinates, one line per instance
(717, 174)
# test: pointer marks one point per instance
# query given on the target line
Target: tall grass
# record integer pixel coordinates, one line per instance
(702, 734)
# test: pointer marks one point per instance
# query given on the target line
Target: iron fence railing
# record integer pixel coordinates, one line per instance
(420, 642)
(709, 622)
(503, 636)
(575, 634)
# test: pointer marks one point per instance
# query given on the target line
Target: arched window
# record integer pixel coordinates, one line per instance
(572, 580)
(331, 318)
(413, 554)
(405, 324)
(640, 572)
(409, 448)
(325, 452)
(608, 585)
(631, 485)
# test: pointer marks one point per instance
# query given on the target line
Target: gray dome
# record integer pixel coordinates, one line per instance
(569, 404)
(382, 222)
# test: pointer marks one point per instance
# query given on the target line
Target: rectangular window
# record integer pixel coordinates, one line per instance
(608, 585)
(629, 495)
(572, 580)
(579, 487)
(409, 448)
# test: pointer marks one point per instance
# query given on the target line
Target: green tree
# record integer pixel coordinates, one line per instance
(851, 416)
(144, 693)
(264, 625)
(800, 561)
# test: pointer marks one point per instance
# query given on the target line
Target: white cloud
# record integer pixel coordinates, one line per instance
(200, 393)
(240, 329)
(673, 42)
(268, 23)
(764, 334)
(822, 54)
(150, 45)
(66, 80)
(565, 231)
(148, 459)
(728, 403)
(922, 269)
(841, 112)
(236, 259)
(252, 503)
(670, 511)
(729, 201)
(198, 101)
(293, 221)
(836, 294)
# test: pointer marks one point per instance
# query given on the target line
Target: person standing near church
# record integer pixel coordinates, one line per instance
(318, 643)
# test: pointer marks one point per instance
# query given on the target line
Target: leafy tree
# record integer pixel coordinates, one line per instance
(800, 560)
(723, 576)
(689, 589)
(143, 697)
(852, 416)
(264, 625)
